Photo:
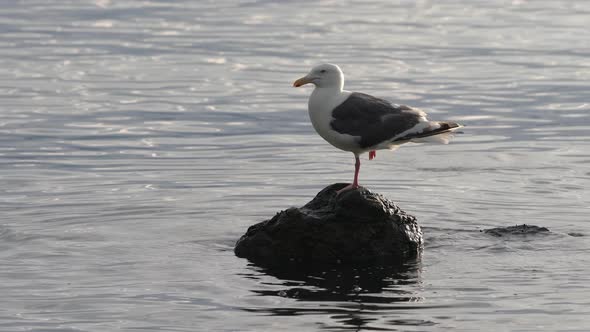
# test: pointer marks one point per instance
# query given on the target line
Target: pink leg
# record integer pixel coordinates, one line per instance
(357, 168)
(372, 154)
(355, 183)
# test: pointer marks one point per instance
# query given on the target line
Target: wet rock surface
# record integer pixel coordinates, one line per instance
(517, 230)
(356, 226)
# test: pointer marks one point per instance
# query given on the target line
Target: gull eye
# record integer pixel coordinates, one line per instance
(322, 71)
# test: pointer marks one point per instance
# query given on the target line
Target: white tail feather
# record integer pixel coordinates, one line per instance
(443, 138)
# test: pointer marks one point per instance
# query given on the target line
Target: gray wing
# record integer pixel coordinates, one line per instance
(374, 120)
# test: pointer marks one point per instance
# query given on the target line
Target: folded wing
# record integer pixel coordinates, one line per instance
(375, 121)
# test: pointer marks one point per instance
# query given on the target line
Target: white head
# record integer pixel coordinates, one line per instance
(325, 75)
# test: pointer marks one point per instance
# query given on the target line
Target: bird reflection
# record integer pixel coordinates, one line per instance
(353, 297)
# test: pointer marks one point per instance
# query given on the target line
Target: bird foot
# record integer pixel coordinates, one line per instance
(347, 188)
(372, 154)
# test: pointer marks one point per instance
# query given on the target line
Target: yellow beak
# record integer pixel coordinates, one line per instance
(302, 81)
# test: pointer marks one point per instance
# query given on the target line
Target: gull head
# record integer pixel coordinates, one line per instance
(326, 75)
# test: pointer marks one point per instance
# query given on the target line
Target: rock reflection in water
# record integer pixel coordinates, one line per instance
(352, 296)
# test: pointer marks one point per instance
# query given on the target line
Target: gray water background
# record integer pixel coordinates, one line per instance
(139, 140)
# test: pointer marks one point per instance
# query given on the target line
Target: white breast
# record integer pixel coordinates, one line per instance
(321, 104)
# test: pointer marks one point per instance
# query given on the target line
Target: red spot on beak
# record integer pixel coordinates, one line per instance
(372, 154)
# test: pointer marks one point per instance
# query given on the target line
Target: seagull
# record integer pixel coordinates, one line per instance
(359, 123)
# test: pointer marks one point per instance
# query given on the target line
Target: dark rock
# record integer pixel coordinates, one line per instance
(357, 226)
(517, 230)
(576, 234)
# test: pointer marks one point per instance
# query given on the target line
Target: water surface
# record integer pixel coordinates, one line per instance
(138, 141)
